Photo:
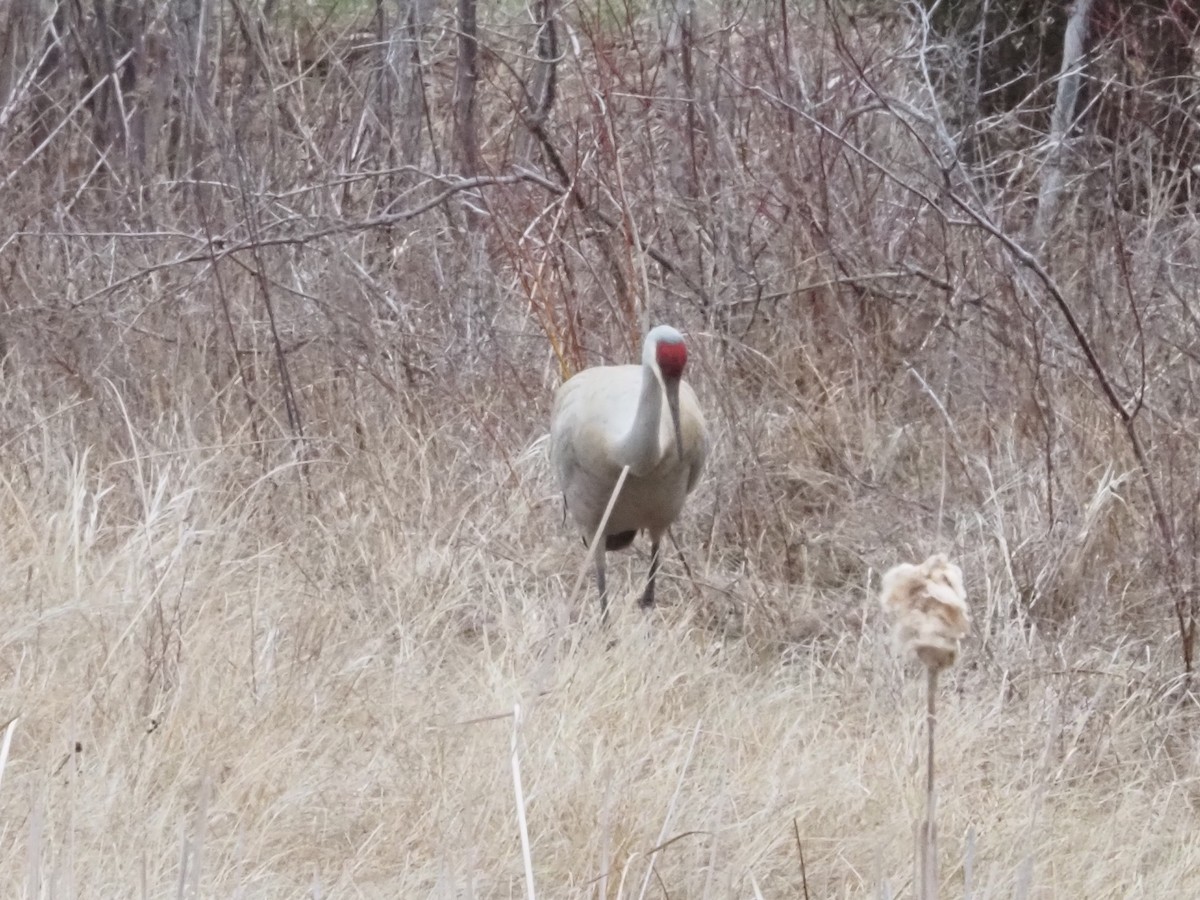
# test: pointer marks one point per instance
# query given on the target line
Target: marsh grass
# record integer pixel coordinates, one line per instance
(222, 688)
(281, 557)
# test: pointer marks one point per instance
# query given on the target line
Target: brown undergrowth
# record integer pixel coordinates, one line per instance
(281, 552)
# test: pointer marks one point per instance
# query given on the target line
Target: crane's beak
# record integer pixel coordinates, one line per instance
(671, 385)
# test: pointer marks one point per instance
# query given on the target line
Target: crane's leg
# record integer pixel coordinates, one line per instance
(647, 599)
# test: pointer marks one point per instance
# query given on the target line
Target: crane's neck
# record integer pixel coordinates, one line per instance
(641, 449)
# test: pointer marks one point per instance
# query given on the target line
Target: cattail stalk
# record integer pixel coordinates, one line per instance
(929, 879)
(929, 606)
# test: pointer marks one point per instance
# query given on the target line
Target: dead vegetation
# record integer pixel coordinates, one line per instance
(280, 550)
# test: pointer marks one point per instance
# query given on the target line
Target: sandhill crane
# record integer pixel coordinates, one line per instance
(609, 417)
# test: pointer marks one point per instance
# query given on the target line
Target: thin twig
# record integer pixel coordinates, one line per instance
(800, 850)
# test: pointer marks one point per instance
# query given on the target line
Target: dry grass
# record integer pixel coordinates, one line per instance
(273, 688)
(239, 662)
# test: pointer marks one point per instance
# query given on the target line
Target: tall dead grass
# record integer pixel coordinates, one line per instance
(281, 555)
(284, 701)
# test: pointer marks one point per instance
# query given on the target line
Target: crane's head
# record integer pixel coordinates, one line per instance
(666, 353)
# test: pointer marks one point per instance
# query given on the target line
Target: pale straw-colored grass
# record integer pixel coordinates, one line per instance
(235, 664)
(227, 688)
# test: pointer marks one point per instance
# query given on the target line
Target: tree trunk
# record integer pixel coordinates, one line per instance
(192, 89)
(466, 78)
(20, 25)
(1064, 114)
(410, 75)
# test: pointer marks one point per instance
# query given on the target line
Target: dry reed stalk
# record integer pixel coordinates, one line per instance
(9, 728)
(523, 825)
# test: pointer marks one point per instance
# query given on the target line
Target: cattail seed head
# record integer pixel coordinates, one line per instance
(929, 609)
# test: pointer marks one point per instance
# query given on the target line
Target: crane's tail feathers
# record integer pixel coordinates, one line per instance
(619, 541)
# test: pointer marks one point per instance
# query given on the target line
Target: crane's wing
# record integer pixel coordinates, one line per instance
(591, 414)
(592, 411)
(695, 433)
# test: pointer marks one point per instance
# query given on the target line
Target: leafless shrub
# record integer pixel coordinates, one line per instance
(240, 247)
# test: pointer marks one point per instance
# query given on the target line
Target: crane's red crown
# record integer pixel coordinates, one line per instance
(671, 357)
